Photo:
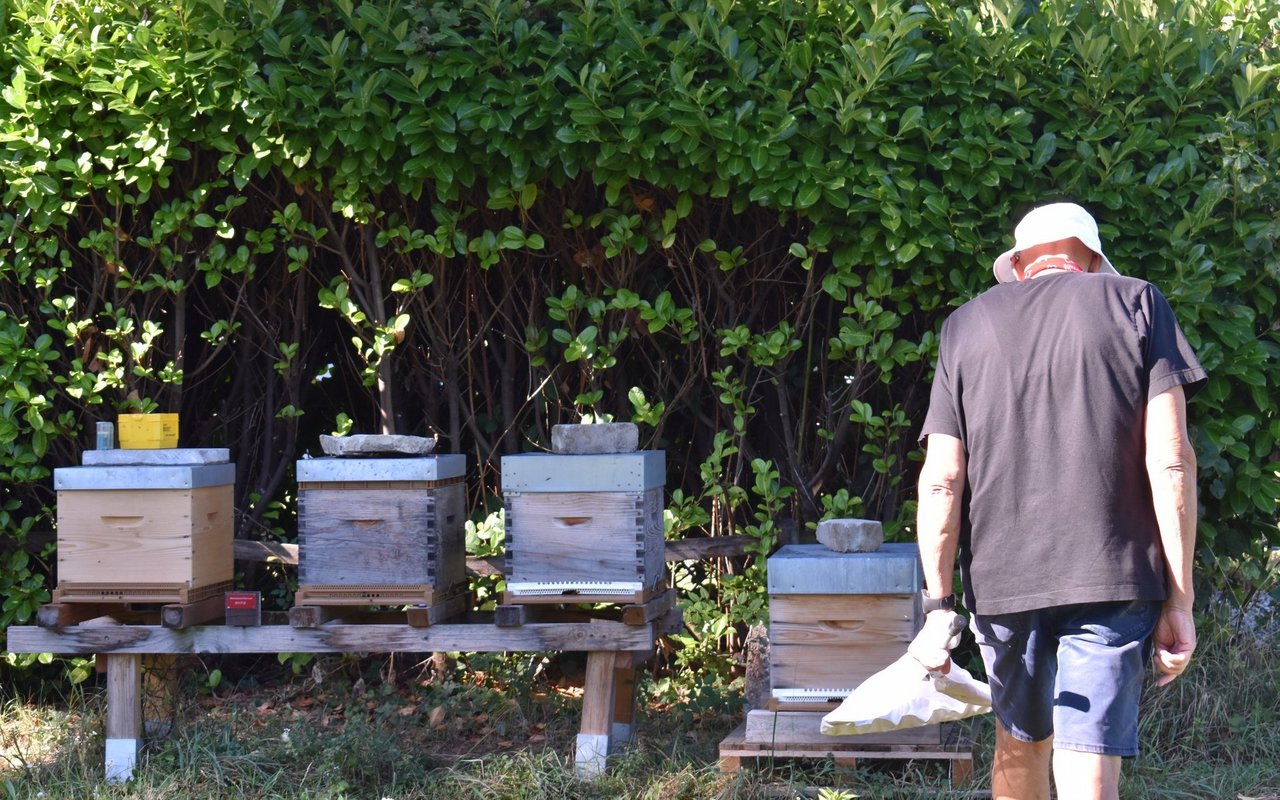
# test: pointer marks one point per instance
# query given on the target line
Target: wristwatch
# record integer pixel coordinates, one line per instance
(928, 603)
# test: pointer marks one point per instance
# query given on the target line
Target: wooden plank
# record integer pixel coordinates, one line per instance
(123, 728)
(305, 616)
(490, 567)
(509, 616)
(263, 552)
(185, 615)
(124, 696)
(598, 694)
(955, 748)
(624, 695)
(647, 612)
(706, 548)
(805, 727)
(452, 605)
(60, 615)
(670, 622)
(470, 638)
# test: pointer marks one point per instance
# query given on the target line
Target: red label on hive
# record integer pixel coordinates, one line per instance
(242, 601)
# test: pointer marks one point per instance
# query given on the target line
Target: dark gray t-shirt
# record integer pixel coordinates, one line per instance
(1045, 382)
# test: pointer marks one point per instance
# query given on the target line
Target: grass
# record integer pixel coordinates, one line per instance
(352, 729)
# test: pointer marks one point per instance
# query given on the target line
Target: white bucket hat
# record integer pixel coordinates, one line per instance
(1049, 224)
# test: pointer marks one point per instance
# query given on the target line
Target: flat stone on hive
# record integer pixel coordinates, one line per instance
(603, 437)
(377, 444)
(173, 456)
(851, 535)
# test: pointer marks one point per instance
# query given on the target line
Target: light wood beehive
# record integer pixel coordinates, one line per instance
(145, 533)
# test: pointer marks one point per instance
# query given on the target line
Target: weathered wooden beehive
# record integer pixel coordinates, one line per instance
(588, 525)
(835, 619)
(145, 526)
(380, 531)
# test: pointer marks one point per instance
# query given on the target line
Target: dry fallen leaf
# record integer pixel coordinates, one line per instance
(436, 718)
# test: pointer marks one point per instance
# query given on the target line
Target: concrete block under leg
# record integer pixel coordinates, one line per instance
(592, 755)
(121, 758)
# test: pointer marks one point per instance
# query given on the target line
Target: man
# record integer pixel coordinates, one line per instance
(1059, 470)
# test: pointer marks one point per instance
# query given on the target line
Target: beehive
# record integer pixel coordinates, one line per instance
(380, 531)
(584, 524)
(157, 529)
(835, 619)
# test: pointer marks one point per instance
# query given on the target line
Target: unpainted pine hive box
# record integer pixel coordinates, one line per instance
(380, 531)
(835, 619)
(584, 524)
(160, 532)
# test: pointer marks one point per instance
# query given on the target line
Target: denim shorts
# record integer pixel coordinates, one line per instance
(1070, 672)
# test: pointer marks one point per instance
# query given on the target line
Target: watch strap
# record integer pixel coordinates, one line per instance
(928, 604)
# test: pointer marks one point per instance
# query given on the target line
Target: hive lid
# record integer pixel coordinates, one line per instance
(174, 476)
(603, 472)
(381, 470)
(813, 569)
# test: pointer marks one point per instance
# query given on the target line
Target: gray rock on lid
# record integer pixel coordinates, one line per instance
(602, 437)
(168, 457)
(851, 535)
(362, 444)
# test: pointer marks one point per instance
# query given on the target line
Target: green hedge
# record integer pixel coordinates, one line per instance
(738, 222)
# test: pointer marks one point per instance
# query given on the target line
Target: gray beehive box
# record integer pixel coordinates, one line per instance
(380, 531)
(835, 619)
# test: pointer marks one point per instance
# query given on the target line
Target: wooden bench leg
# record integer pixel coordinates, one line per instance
(961, 772)
(597, 715)
(622, 731)
(124, 715)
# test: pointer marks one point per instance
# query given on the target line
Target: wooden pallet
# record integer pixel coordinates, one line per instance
(175, 605)
(427, 606)
(656, 606)
(956, 748)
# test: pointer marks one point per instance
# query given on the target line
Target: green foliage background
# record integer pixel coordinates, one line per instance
(738, 222)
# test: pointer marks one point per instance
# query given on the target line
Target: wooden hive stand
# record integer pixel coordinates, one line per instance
(797, 734)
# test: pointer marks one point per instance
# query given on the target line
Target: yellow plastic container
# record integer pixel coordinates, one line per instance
(147, 431)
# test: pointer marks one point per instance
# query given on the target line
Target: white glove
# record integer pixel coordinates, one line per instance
(937, 638)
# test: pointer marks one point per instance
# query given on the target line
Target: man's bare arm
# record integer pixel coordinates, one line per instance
(1171, 467)
(941, 488)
